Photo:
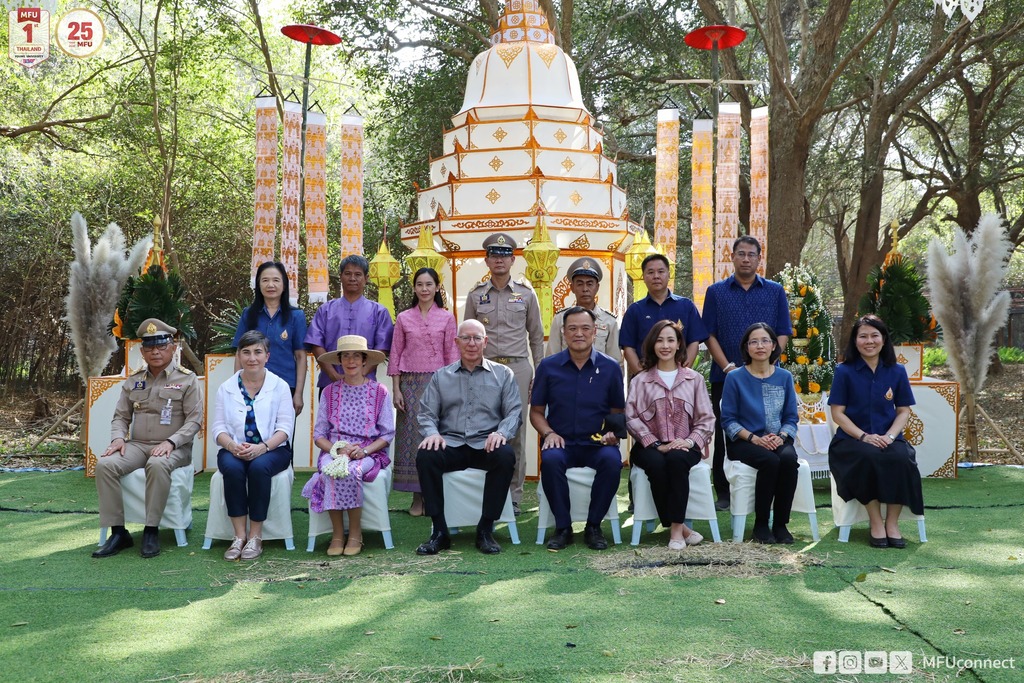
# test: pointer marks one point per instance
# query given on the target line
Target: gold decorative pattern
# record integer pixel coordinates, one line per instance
(444, 171)
(433, 204)
(902, 360)
(508, 53)
(449, 245)
(560, 135)
(458, 263)
(948, 469)
(496, 163)
(950, 392)
(914, 431)
(614, 246)
(576, 198)
(568, 164)
(561, 293)
(493, 196)
(98, 385)
(585, 223)
(547, 53)
(580, 242)
(499, 134)
(490, 224)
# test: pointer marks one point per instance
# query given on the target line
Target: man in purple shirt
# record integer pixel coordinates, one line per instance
(353, 313)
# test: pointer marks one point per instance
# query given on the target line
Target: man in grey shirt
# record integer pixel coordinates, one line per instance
(469, 412)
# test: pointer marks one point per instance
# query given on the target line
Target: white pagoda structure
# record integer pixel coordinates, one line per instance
(523, 157)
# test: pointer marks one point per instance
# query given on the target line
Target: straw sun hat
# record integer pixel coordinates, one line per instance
(352, 342)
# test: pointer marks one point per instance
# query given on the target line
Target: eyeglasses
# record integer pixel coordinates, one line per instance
(471, 338)
(760, 342)
(156, 347)
(752, 255)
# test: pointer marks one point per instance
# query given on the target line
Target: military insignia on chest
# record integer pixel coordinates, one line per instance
(139, 385)
(485, 299)
(516, 299)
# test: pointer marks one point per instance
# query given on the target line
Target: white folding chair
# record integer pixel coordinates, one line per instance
(278, 524)
(846, 514)
(581, 480)
(375, 512)
(700, 504)
(742, 479)
(464, 498)
(178, 511)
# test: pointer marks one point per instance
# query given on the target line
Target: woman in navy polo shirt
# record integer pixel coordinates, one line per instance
(869, 458)
(282, 324)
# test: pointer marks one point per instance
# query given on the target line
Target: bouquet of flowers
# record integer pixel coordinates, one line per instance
(337, 468)
(811, 350)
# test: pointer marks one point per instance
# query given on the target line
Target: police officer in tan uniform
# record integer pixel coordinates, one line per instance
(166, 402)
(584, 279)
(511, 315)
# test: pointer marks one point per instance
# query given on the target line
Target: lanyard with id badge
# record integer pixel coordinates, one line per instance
(165, 413)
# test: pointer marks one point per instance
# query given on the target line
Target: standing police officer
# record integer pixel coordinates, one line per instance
(584, 279)
(162, 406)
(510, 314)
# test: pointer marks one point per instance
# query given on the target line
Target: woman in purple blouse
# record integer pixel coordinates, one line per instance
(424, 341)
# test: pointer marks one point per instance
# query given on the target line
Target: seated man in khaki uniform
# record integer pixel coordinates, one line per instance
(166, 403)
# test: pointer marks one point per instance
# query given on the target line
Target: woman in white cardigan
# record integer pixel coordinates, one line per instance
(253, 422)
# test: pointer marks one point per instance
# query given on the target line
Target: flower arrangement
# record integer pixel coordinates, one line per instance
(811, 351)
(337, 468)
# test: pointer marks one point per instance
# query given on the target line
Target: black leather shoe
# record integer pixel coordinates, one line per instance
(594, 538)
(763, 534)
(896, 542)
(516, 510)
(882, 542)
(118, 541)
(438, 541)
(561, 539)
(150, 544)
(782, 535)
(722, 504)
(485, 542)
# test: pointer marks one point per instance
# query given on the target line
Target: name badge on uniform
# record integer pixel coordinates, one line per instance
(140, 385)
(485, 298)
(284, 335)
(516, 299)
(165, 413)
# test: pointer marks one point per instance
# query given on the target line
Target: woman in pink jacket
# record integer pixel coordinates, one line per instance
(668, 412)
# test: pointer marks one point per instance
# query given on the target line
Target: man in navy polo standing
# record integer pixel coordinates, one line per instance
(574, 393)
(730, 307)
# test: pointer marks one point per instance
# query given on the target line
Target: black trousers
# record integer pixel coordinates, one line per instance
(432, 465)
(669, 474)
(776, 478)
(718, 455)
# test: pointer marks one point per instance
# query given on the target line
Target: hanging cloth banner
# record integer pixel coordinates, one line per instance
(265, 213)
(702, 209)
(315, 207)
(666, 183)
(290, 174)
(727, 187)
(351, 185)
(759, 181)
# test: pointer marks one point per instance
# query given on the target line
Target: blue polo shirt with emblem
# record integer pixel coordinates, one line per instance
(578, 399)
(871, 398)
(284, 339)
(641, 316)
(729, 310)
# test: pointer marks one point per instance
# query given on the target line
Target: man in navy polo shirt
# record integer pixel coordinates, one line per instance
(659, 304)
(574, 392)
(730, 307)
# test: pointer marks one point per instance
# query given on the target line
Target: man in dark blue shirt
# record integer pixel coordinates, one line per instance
(574, 392)
(659, 304)
(730, 307)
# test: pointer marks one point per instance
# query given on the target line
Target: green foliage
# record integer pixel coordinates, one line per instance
(224, 326)
(933, 357)
(154, 294)
(1011, 354)
(896, 296)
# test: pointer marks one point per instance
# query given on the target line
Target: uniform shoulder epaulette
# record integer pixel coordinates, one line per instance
(560, 311)
(608, 312)
(523, 282)
(480, 284)
(182, 369)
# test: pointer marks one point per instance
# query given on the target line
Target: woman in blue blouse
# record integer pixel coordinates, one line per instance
(869, 458)
(759, 418)
(283, 325)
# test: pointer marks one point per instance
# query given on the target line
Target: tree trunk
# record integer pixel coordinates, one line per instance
(971, 426)
(789, 218)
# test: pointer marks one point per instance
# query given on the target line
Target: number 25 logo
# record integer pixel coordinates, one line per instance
(80, 30)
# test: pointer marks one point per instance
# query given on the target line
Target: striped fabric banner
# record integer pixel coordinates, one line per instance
(315, 207)
(351, 185)
(727, 187)
(265, 206)
(290, 175)
(666, 183)
(702, 209)
(759, 181)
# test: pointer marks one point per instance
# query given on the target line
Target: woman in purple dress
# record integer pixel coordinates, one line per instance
(355, 421)
(424, 341)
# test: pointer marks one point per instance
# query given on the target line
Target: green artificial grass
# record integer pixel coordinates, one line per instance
(713, 613)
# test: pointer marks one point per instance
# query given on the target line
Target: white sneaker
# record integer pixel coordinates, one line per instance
(694, 538)
(676, 545)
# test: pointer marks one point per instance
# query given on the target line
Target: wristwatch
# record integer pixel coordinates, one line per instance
(891, 437)
(657, 444)
(365, 454)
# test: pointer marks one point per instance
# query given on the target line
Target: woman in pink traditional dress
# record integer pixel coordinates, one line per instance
(354, 410)
(424, 341)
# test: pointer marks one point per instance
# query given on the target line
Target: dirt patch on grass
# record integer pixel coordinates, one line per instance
(1003, 400)
(707, 560)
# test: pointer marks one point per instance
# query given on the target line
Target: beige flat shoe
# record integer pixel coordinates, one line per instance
(355, 549)
(337, 547)
(677, 545)
(253, 548)
(235, 551)
(694, 538)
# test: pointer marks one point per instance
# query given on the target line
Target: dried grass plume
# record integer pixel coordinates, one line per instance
(98, 275)
(966, 299)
